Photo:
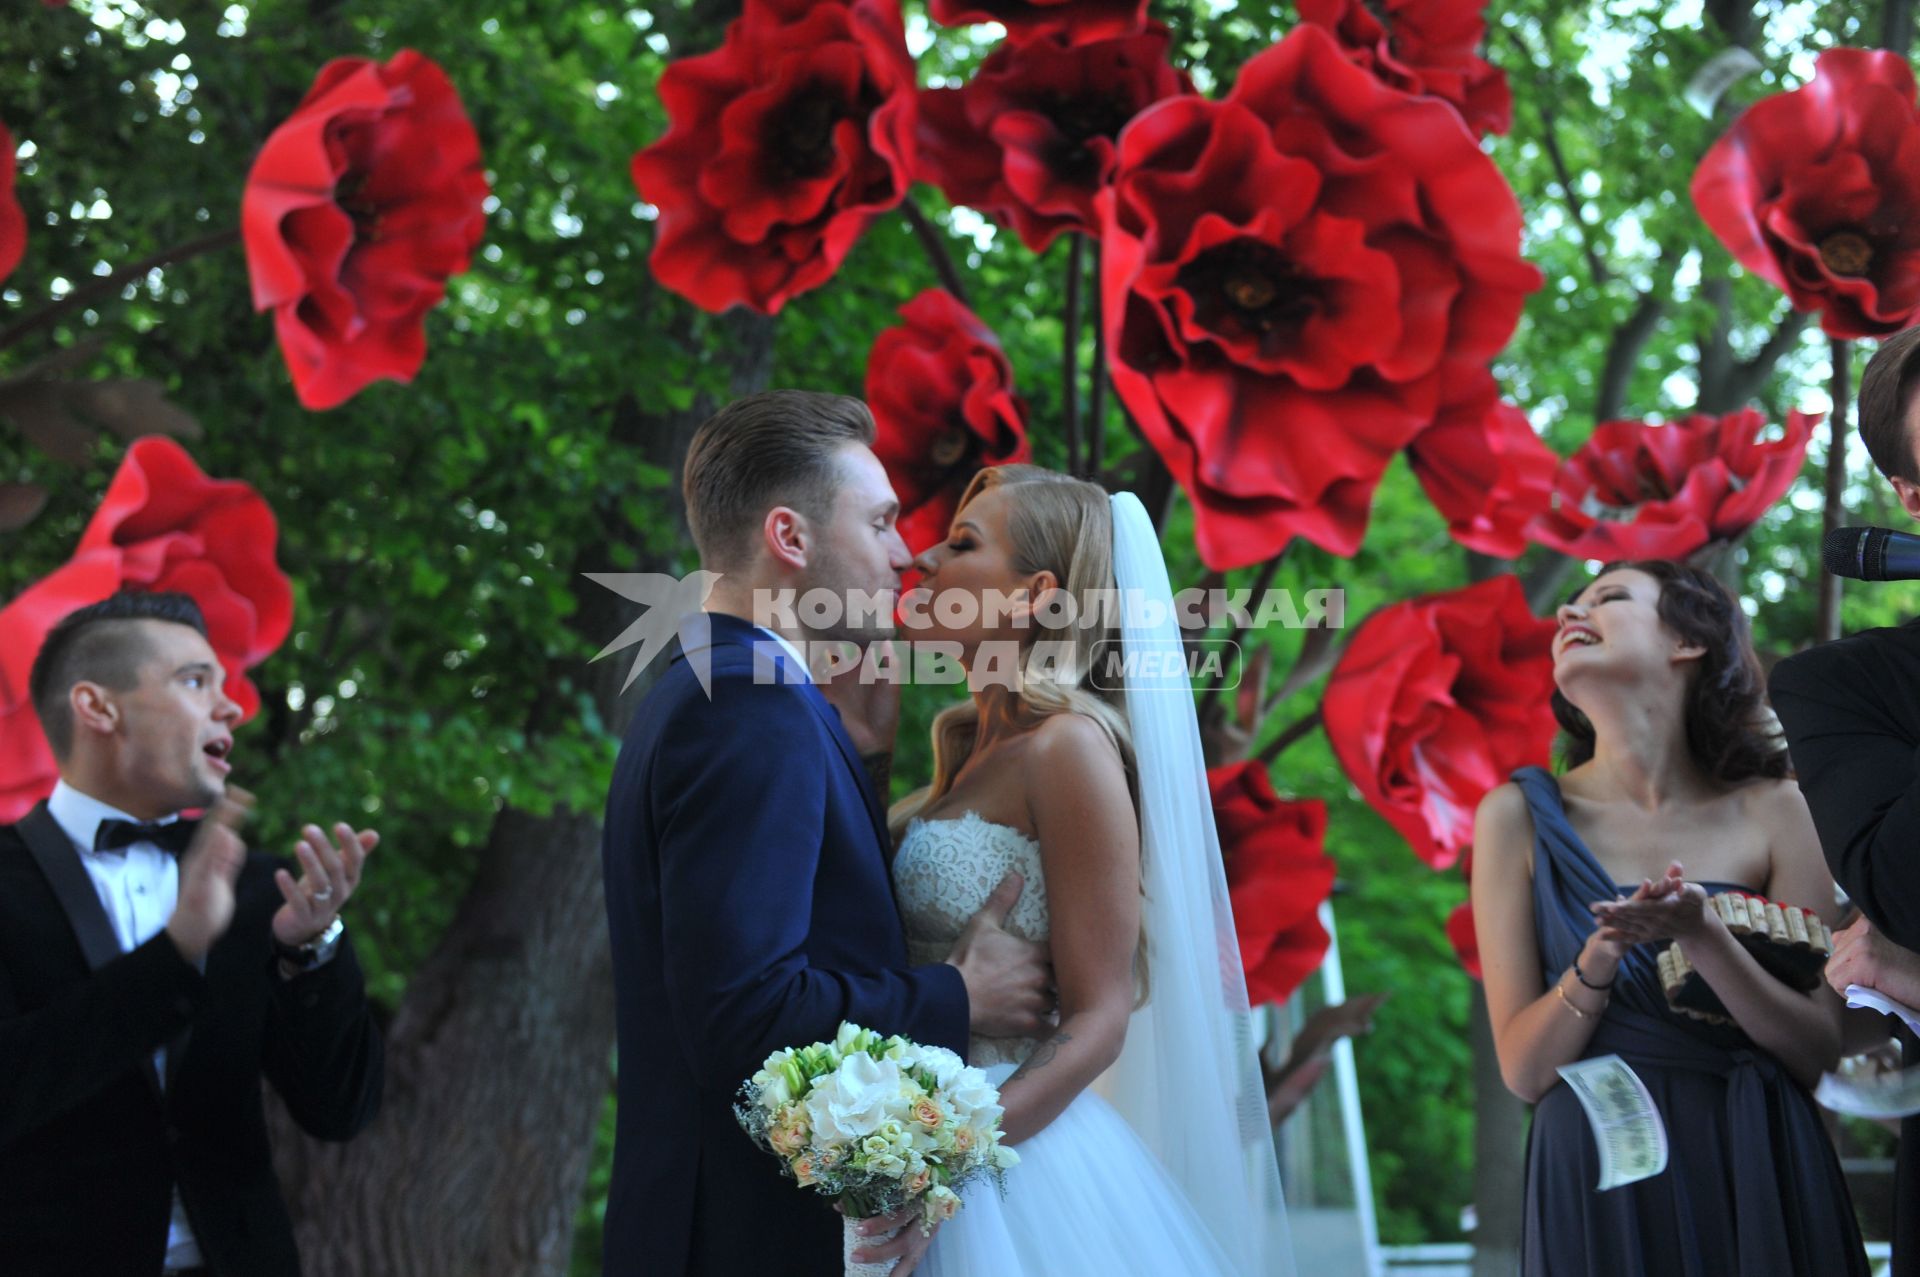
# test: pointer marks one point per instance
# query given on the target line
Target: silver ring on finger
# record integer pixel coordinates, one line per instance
(319, 897)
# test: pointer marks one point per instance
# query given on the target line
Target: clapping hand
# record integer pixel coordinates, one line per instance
(1664, 908)
(203, 908)
(330, 874)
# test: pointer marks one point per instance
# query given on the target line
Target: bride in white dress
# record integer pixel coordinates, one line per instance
(1140, 1120)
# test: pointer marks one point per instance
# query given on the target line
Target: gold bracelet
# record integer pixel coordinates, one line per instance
(1560, 987)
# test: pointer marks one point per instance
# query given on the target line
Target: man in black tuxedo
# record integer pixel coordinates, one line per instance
(143, 997)
(746, 858)
(1851, 710)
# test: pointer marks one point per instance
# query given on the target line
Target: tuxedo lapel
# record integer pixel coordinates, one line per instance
(59, 861)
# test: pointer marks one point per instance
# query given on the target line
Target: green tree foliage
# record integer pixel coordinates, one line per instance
(434, 532)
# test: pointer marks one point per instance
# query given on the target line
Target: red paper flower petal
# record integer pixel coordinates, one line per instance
(1075, 21)
(1277, 876)
(941, 391)
(1031, 138)
(13, 222)
(1438, 699)
(357, 210)
(783, 145)
(1292, 277)
(1817, 191)
(1423, 46)
(1637, 490)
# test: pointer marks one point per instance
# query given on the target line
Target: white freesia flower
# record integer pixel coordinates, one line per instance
(773, 1089)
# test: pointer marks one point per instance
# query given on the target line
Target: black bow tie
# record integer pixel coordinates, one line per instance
(118, 835)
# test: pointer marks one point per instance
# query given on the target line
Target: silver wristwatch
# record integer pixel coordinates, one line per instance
(315, 951)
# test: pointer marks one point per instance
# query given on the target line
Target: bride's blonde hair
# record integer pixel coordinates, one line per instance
(1062, 525)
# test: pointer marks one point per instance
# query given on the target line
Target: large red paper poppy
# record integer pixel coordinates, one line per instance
(1423, 46)
(1438, 699)
(1075, 20)
(13, 222)
(163, 526)
(1817, 191)
(784, 144)
(1485, 469)
(941, 391)
(1030, 138)
(1636, 490)
(1277, 875)
(357, 210)
(1291, 276)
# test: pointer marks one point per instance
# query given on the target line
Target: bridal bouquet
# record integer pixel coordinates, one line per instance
(877, 1125)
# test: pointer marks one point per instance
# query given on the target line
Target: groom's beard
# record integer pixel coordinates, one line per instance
(862, 618)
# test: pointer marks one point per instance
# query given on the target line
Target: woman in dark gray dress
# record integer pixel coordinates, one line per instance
(1676, 787)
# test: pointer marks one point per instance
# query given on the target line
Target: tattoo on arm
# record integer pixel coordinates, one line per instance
(1042, 1055)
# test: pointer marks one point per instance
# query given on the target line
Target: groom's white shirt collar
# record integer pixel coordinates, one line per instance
(798, 659)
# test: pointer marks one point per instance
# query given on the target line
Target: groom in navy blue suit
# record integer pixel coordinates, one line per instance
(746, 857)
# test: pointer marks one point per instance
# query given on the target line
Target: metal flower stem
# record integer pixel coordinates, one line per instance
(1097, 396)
(1827, 624)
(935, 247)
(1070, 352)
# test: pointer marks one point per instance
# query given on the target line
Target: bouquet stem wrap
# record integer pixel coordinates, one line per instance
(851, 1239)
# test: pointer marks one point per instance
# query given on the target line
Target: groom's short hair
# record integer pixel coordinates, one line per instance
(778, 447)
(1886, 400)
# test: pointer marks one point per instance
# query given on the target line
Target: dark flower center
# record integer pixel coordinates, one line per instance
(365, 214)
(951, 447)
(1846, 253)
(1247, 289)
(800, 134)
(1080, 120)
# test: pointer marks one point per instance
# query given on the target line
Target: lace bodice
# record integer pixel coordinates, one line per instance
(944, 871)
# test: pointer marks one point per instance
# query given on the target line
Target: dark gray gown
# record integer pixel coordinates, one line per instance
(1752, 1186)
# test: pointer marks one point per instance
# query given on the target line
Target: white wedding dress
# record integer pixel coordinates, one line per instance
(1088, 1196)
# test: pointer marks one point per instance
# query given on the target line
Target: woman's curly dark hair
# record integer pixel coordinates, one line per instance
(1731, 731)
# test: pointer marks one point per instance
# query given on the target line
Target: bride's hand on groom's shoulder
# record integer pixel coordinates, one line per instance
(869, 708)
(1009, 980)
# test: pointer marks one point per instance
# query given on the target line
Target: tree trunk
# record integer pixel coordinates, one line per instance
(498, 1057)
(1499, 1143)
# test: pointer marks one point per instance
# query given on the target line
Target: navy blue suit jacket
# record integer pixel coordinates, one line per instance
(750, 909)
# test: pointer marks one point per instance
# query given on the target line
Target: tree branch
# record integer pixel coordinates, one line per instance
(110, 285)
(935, 246)
(1563, 175)
(1749, 376)
(1623, 352)
(1293, 732)
(1725, 384)
(1262, 582)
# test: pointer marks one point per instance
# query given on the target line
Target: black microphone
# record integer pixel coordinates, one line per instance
(1872, 554)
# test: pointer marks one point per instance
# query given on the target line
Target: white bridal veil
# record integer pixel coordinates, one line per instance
(1188, 1079)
